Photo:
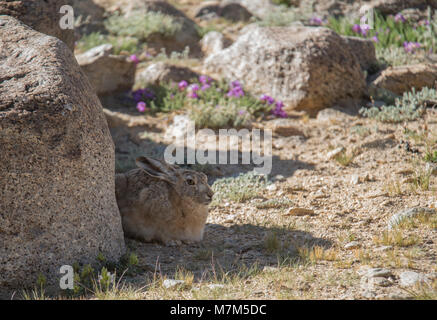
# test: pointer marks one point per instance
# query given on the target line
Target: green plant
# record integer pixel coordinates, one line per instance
(133, 259)
(387, 32)
(279, 18)
(430, 156)
(239, 189)
(410, 106)
(287, 3)
(141, 25)
(344, 158)
(212, 106)
(119, 44)
(396, 56)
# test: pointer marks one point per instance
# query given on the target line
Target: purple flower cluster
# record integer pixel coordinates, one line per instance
(182, 85)
(279, 105)
(192, 91)
(235, 90)
(134, 59)
(206, 82)
(316, 21)
(411, 47)
(141, 106)
(278, 112)
(400, 18)
(362, 29)
(266, 98)
(142, 95)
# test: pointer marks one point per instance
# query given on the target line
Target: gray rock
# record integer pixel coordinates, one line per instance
(352, 245)
(171, 283)
(408, 214)
(229, 10)
(411, 278)
(431, 168)
(384, 248)
(213, 42)
(259, 8)
(214, 286)
(161, 72)
(376, 272)
(57, 197)
(333, 153)
(307, 68)
(107, 73)
(363, 49)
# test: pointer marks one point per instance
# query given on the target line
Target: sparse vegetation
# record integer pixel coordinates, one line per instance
(408, 108)
(240, 189)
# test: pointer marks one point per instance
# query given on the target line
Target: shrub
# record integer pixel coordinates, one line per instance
(141, 25)
(391, 31)
(209, 103)
(410, 107)
(239, 189)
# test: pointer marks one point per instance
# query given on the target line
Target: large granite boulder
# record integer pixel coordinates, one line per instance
(307, 68)
(40, 15)
(108, 73)
(402, 79)
(57, 197)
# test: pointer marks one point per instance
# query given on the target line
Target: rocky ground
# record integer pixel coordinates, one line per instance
(317, 229)
(268, 248)
(349, 210)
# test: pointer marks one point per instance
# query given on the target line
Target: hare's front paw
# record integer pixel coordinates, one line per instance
(172, 243)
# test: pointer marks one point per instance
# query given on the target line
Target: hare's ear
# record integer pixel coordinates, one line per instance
(155, 168)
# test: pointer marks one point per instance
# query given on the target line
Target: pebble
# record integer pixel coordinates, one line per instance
(431, 168)
(381, 281)
(411, 278)
(352, 245)
(335, 152)
(270, 269)
(170, 283)
(229, 219)
(300, 212)
(384, 248)
(375, 272)
(272, 187)
(215, 286)
(355, 179)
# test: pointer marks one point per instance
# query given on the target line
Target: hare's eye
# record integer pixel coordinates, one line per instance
(191, 182)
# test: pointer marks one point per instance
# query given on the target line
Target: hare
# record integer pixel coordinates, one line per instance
(161, 202)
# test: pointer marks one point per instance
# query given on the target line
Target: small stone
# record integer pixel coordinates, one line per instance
(431, 168)
(272, 187)
(300, 212)
(279, 177)
(332, 154)
(215, 286)
(411, 278)
(270, 269)
(352, 245)
(381, 281)
(355, 179)
(170, 283)
(229, 219)
(384, 248)
(375, 272)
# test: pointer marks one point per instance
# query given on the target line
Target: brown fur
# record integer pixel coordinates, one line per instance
(157, 202)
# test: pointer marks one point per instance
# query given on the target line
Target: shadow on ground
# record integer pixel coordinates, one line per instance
(227, 250)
